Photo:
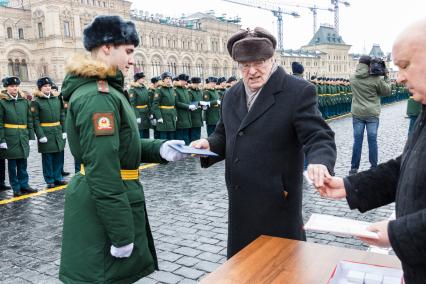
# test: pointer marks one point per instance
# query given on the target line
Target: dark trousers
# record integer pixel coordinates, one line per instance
(62, 160)
(194, 133)
(183, 134)
(372, 125)
(77, 165)
(2, 171)
(18, 176)
(156, 134)
(144, 133)
(168, 135)
(210, 129)
(52, 166)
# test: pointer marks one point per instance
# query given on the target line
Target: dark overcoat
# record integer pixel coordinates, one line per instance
(264, 157)
(402, 180)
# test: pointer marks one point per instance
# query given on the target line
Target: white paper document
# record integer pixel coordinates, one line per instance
(338, 225)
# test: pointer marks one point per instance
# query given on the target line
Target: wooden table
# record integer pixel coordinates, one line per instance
(278, 260)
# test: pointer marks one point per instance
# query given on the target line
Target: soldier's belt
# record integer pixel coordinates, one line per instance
(167, 107)
(125, 174)
(142, 106)
(47, 124)
(20, 126)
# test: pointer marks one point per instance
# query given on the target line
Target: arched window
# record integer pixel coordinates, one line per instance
(23, 70)
(10, 67)
(156, 66)
(199, 68)
(186, 66)
(216, 69)
(139, 65)
(172, 66)
(21, 33)
(40, 30)
(16, 68)
(9, 32)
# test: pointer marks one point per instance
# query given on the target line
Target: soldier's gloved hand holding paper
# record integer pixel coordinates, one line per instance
(138, 120)
(42, 140)
(3, 145)
(160, 120)
(192, 107)
(64, 135)
(170, 154)
(124, 251)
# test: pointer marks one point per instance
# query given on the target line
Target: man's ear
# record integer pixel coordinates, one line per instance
(106, 48)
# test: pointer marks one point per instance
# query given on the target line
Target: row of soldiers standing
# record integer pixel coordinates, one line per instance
(20, 121)
(176, 107)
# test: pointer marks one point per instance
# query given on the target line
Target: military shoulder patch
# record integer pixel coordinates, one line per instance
(103, 123)
(103, 86)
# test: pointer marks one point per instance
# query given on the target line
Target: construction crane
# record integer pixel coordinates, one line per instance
(336, 12)
(313, 9)
(276, 11)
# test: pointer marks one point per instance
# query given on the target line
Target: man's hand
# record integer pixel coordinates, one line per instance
(170, 154)
(204, 103)
(200, 144)
(43, 140)
(138, 120)
(192, 107)
(160, 120)
(121, 252)
(333, 188)
(3, 145)
(317, 173)
(381, 228)
(64, 135)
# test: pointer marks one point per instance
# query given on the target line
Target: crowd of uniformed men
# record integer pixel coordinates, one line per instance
(174, 107)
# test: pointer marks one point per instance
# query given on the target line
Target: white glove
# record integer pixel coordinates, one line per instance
(170, 154)
(192, 107)
(64, 136)
(124, 251)
(138, 120)
(160, 120)
(218, 102)
(153, 122)
(3, 145)
(204, 103)
(43, 140)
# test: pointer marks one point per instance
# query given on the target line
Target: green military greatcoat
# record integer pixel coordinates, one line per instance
(213, 112)
(195, 96)
(16, 126)
(102, 207)
(139, 99)
(163, 106)
(49, 118)
(182, 108)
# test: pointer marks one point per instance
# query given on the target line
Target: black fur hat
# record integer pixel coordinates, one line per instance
(155, 79)
(182, 77)
(138, 75)
(366, 59)
(166, 74)
(297, 68)
(251, 45)
(43, 81)
(7, 81)
(211, 80)
(231, 79)
(220, 80)
(196, 80)
(109, 29)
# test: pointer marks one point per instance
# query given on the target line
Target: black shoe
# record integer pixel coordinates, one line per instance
(64, 174)
(60, 182)
(17, 194)
(353, 171)
(51, 185)
(4, 187)
(28, 190)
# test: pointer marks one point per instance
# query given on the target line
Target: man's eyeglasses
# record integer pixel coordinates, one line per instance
(255, 65)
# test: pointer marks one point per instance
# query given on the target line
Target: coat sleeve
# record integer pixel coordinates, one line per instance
(373, 188)
(407, 235)
(36, 115)
(156, 99)
(150, 151)
(217, 142)
(30, 122)
(100, 157)
(179, 103)
(2, 115)
(62, 115)
(313, 131)
(384, 87)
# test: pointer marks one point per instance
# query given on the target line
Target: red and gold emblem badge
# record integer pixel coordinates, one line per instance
(103, 123)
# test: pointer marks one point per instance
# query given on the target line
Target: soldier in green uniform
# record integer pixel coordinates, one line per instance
(221, 87)
(163, 107)
(49, 117)
(106, 234)
(155, 82)
(16, 129)
(211, 104)
(195, 96)
(184, 107)
(139, 98)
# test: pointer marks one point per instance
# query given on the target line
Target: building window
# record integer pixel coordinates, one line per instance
(200, 69)
(215, 69)
(139, 65)
(67, 32)
(40, 30)
(21, 33)
(172, 67)
(156, 67)
(104, 4)
(9, 32)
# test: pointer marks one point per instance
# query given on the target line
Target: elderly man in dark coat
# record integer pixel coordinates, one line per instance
(402, 180)
(266, 119)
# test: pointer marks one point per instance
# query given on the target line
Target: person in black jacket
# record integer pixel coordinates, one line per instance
(266, 120)
(403, 179)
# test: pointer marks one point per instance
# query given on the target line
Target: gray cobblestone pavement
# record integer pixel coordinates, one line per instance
(187, 208)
